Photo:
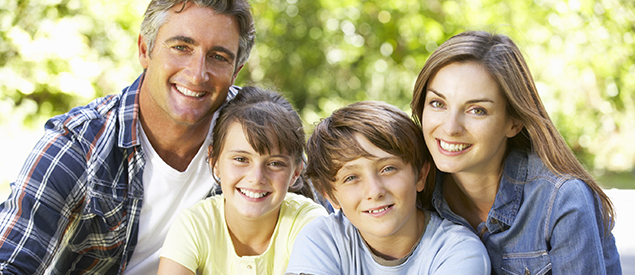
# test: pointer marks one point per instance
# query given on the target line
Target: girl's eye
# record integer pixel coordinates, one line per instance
(240, 159)
(278, 164)
(436, 104)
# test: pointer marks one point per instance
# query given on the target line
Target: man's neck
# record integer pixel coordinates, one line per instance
(175, 144)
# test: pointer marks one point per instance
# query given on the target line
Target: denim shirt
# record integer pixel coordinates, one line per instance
(541, 223)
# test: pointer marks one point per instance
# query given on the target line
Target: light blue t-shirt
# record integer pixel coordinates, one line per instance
(332, 245)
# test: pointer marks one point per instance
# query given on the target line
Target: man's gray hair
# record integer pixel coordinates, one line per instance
(158, 12)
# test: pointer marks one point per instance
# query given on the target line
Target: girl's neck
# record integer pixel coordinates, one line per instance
(471, 195)
(251, 237)
(402, 242)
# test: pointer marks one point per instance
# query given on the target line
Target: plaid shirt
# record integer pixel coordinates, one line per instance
(75, 206)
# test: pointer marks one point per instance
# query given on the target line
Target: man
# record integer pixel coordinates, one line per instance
(99, 191)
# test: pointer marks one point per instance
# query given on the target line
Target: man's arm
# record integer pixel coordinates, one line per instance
(43, 199)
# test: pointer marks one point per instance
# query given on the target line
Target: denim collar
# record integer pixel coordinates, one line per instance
(508, 198)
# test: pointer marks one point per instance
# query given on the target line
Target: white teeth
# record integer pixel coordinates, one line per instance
(453, 147)
(189, 92)
(253, 195)
(378, 210)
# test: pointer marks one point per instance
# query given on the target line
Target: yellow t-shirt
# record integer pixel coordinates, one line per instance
(199, 240)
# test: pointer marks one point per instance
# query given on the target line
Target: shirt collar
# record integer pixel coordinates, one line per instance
(128, 115)
(510, 192)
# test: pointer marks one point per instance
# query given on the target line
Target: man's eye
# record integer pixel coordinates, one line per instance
(180, 48)
(219, 57)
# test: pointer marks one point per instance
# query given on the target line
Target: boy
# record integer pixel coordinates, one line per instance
(370, 161)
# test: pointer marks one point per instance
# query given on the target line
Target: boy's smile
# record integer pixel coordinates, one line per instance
(378, 194)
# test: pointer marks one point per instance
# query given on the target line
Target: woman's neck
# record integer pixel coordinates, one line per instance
(251, 237)
(471, 195)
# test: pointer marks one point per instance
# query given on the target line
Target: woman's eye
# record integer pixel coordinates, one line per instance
(436, 104)
(479, 111)
(240, 159)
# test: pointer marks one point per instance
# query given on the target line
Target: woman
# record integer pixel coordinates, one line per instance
(506, 172)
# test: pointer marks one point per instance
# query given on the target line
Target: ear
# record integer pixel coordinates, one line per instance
(517, 126)
(298, 171)
(144, 55)
(211, 161)
(236, 73)
(423, 175)
(333, 202)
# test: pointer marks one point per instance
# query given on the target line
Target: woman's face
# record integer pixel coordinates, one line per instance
(465, 121)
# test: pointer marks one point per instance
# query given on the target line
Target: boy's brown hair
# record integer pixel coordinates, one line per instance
(333, 143)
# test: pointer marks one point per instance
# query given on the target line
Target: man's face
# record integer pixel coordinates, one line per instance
(191, 67)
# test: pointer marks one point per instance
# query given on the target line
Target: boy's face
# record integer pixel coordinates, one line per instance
(378, 195)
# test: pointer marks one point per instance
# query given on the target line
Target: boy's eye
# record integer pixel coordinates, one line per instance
(349, 179)
(388, 169)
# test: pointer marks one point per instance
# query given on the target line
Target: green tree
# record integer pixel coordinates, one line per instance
(56, 54)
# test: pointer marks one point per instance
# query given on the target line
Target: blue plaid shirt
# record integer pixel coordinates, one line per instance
(75, 206)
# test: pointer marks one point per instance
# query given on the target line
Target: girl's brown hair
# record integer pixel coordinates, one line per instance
(269, 121)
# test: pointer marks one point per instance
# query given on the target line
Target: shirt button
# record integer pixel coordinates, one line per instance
(248, 266)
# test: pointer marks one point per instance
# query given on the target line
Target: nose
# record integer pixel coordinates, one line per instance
(256, 174)
(375, 188)
(453, 123)
(197, 70)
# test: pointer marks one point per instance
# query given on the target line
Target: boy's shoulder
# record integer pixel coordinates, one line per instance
(442, 229)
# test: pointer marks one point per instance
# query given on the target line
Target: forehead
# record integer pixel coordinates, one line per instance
(237, 139)
(465, 80)
(203, 25)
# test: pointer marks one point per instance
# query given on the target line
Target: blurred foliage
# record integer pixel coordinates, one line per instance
(56, 54)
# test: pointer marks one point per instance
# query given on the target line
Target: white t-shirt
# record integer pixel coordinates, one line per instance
(166, 192)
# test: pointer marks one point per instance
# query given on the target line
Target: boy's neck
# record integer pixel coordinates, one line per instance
(250, 237)
(390, 250)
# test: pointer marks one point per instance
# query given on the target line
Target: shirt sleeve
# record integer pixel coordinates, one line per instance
(181, 243)
(577, 241)
(42, 201)
(315, 251)
(460, 251)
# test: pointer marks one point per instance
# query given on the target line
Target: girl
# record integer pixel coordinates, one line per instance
(257, 155)
(507, 172)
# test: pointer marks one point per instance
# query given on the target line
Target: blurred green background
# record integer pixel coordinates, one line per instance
(323, 54)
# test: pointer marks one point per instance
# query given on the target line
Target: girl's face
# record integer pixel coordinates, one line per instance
(254, 185)
(465, 121)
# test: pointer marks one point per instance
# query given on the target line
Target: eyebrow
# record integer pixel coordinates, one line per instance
(468, 102)
(189, 40)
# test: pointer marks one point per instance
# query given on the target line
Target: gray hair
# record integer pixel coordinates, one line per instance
(158, 12)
